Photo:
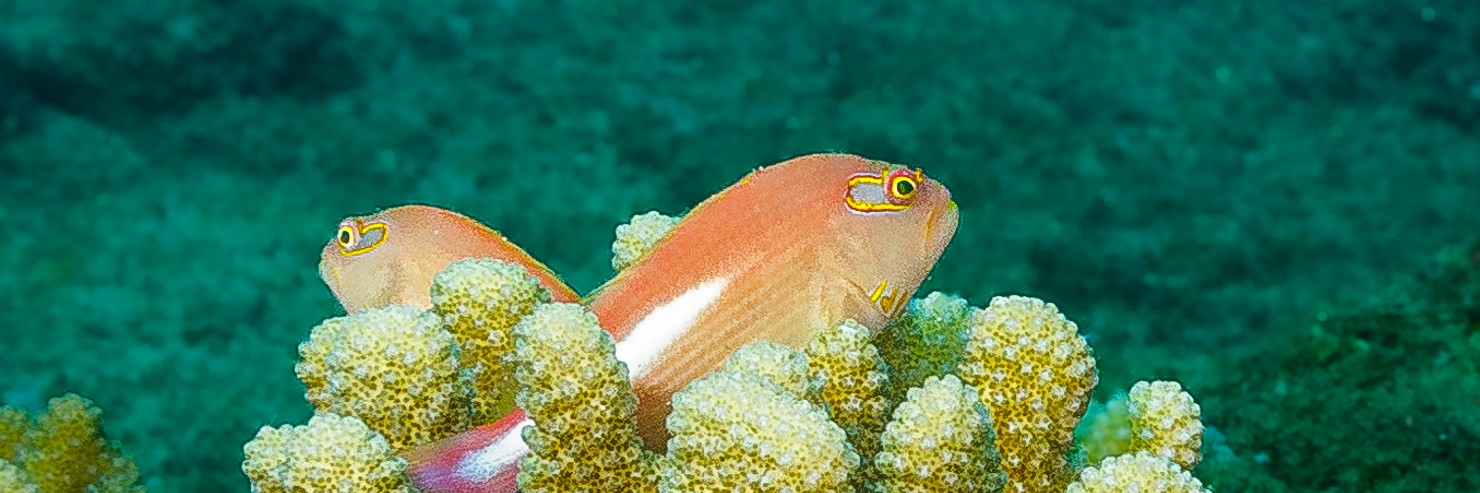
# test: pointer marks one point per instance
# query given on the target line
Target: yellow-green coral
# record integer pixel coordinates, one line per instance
(479, 301)
(63, 450)
(331, 454)
(15, 480)
(392, 367)
(925, 340)
(1166, 422)
(1106, 429)
(773, 418)
(1140, 472)
(13, 426)
(1157, 417)
(940, 440)
(578, 395)
(852, 379)
(737, 431)
(638, 236)
(1034, 372)
(778, 363)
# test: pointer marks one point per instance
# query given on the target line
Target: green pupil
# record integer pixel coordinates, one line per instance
(903, 187)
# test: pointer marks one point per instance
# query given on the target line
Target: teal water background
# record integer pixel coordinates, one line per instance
(1193, 182)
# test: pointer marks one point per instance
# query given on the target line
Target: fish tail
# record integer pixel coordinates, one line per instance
(481, 460)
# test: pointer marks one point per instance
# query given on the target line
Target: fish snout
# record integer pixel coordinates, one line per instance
(940, 225)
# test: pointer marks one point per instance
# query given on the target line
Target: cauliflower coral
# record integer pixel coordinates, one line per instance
(779, 364)
(479, 301)
(948, 397)
(574, 387)
(852, 379)
(331, 454)
(394, 368)
(925, 340)
(639, 236)
(1137, 472)
(940, 440)
(1165, 421)
(738, 430)
(62, 450)
(1034, 372)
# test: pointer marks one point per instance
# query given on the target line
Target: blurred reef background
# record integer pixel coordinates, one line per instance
(1273, 202)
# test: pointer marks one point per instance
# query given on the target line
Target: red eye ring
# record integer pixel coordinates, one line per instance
(901, 185)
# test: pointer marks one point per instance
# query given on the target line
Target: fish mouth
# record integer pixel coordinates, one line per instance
(940, 227)
(330, 275)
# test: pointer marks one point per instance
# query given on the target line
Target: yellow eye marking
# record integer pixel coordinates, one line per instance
(364, 229)
(892, 189)
(861, 206)
(856, 180)
(891, 304)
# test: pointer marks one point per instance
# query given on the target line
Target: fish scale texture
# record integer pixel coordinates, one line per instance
(1034, 372)
(479, 302)
(395, 368)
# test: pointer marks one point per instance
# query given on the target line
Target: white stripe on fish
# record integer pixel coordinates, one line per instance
(648, 339)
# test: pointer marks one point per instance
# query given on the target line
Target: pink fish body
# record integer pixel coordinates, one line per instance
(390, 257)
(787, 250)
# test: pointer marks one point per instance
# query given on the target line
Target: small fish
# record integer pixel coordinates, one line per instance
(787, 250)
(390, 257)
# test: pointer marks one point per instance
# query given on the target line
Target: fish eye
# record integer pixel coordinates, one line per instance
(891, 190)
(356, 237)
(904, 187)
(346, 237)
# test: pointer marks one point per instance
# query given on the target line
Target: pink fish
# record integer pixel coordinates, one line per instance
(787, 250)
(390, 257)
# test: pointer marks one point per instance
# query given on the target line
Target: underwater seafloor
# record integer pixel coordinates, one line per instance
(1275, 203)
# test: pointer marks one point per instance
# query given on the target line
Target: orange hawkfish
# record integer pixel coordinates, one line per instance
(390, 257)
(789, 249)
